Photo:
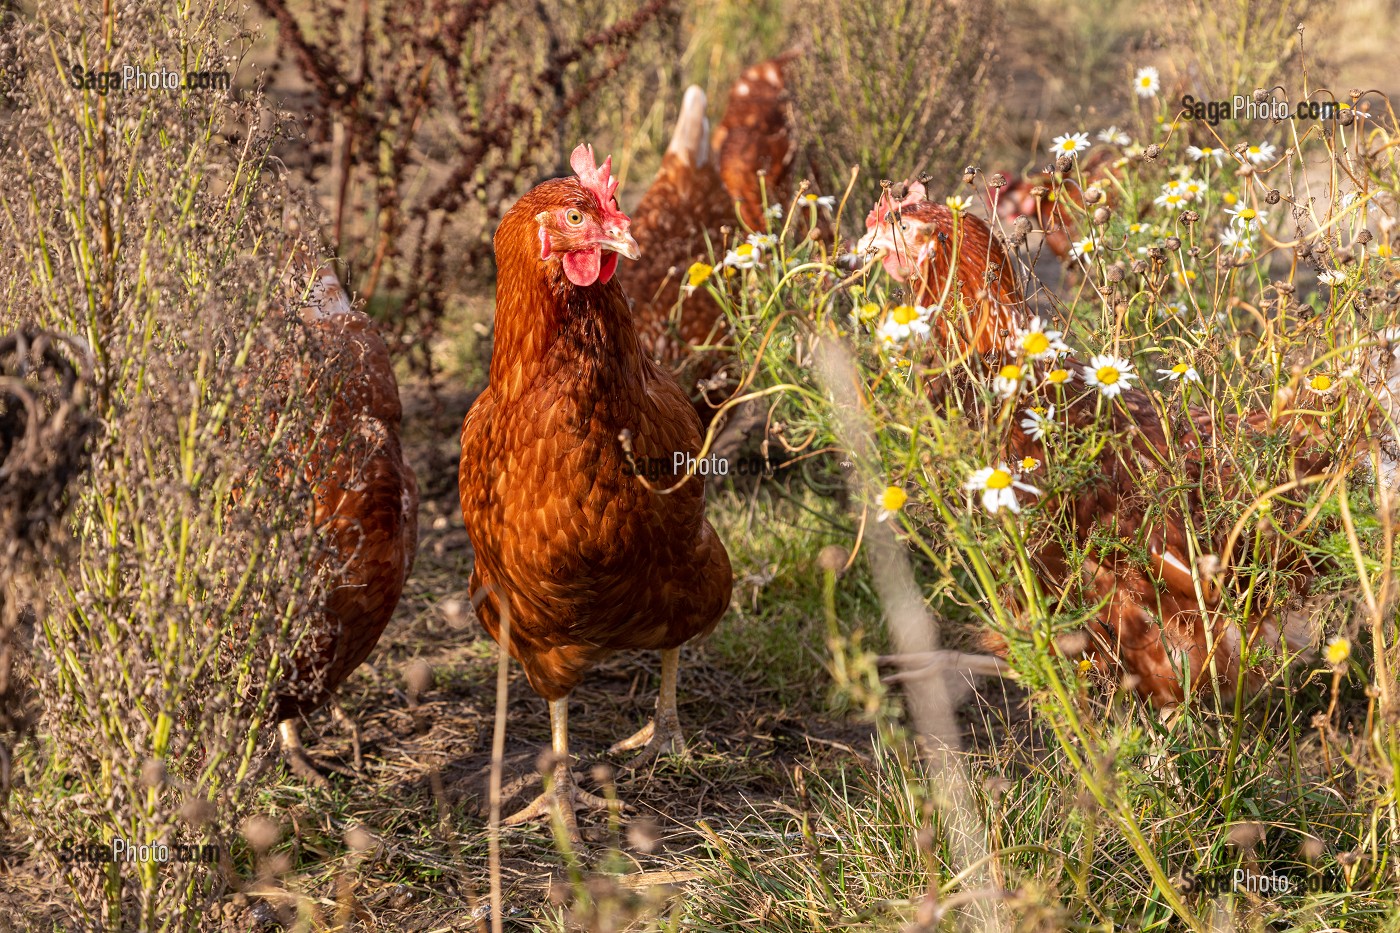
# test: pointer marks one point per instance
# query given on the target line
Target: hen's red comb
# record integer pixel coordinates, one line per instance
(915, 192)
(598, 179)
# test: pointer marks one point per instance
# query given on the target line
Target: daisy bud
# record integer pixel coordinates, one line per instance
(1272, 197)
(1152, 152)
(1101, 216)
(998, 180)
(1173, 243)
(1260, 95)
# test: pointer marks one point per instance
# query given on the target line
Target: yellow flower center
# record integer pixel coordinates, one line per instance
(869, 311)
(1320, 383)
(1058, 375)
(1088, 246)
(1035, 343)
(905, 314)
(1228, 198)
(1108, 375)
(1000, 479)
(1180, 369)
(745, 250)
(698, 273)
(893, 499)
(1249, 213)
(1040, 409)
(1029, 464)
(1338, 651)
(1012, 372)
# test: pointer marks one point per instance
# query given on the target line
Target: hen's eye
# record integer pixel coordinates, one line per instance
(574, 217)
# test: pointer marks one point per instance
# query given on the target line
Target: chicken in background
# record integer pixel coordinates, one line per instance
(1046, 214)
(755, 143)
(366, 508)
(681, 220)
(691, 214)
(1157, 617)
(578, 554)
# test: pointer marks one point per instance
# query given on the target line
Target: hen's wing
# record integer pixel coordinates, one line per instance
(755, 136)
(366, 498)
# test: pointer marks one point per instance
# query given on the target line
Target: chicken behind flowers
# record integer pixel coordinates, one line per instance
(1137, 526)
(575, 554)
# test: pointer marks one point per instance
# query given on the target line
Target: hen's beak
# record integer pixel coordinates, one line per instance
(621, 242)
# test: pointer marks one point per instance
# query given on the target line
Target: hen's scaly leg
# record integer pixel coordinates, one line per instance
(297, 760)
(562, 796)
(663, 733)
(346, 722)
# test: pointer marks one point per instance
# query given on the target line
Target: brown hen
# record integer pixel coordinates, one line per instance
(366, 509)
(1159, 620)
(575, 552)
(754, 141)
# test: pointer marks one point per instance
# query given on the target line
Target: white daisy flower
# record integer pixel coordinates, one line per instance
(1082, 249)
(1070, 144)
(904, 322)
(1037, 343)
(1172, 200)
(1039, 422)
(1206, 152)
(1111, 374)
(1245, 217)
(1322, 384)
(891, 501)
(1147, 82)
(762, 241)
(775, 211)
(1058, 376)
(998, 487)
(743, 256)
(824, 202)
(1193, 188)
(1333, 277)
(1174, 186)
(1115, 136)
(1009, 380)
(1238, 240)
(958, 205)
(1260, 153)
(1172, 309)
(1029, 464)
(1184, 371)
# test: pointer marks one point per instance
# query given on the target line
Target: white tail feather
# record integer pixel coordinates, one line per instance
(691, 139)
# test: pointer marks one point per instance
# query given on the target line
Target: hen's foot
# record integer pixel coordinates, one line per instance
(345, 721)
(661, 736)
(563, 797)
(299, 763)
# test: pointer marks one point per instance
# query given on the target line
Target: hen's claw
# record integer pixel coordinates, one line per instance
(565, 795)
(668, 739)
(300, 764)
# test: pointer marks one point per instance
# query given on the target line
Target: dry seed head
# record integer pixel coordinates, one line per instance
(418, 677)
(832, 558)
(197, 812)
(1246, 835)
(1063, 164)
(1189, 217)
(1272, 197)
(1139, 266)
(998, 180)
(1152, 152)
(1345, 118)
(359, 839)
(261, 832)
(1039, 192)
(1093, 196)
(1173, 243)
(152, 773)
(1022, 226)
(643, 835)
(1260, 95)
(1363, 237)
(1194, 252)
(1101, 216)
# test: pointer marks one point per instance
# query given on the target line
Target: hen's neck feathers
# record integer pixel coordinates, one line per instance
(544, 322)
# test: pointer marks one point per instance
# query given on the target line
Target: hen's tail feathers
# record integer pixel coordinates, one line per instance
(691, 138)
